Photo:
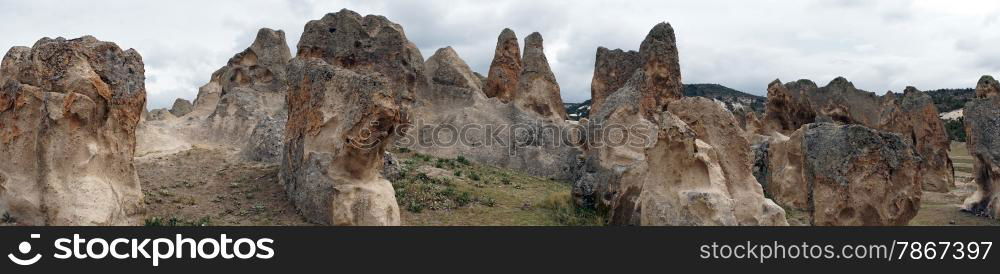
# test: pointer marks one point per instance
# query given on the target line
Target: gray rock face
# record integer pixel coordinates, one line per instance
(912, 114)
(350, 89)
(247, 91)
(181, 107)
(68, 115)
(655, 68)
(987, 87)
(372, 44)
(683, 163)
(266, 141)
(392, 169)
(661, 67)
(611, 70)
(505, 70)
(846, 175)
(537, 89)
(525, 140)
(160, 114)
(982, 127)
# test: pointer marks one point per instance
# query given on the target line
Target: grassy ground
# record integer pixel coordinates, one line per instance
(212, 186)
(942, 209)
(436, 192)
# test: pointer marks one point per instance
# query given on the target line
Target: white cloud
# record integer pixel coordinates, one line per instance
(879, 45)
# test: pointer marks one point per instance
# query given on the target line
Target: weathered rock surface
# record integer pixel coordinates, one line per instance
(181, 107)
(912, 114)
(160, 115)
(612, 69)
(250, 88)
(656, 67)
(537, 89)
(687, 175)
(68, 114)
(846, 175)
(350, 89)
(266, 141)
(456, 119)
(982, 127)
(680, 162)
(987, 87)
(505, 70)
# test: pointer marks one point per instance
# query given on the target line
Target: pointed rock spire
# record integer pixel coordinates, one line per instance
(501, 81)
(537, 88)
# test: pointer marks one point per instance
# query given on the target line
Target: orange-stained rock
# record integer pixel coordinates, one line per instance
(68, 116)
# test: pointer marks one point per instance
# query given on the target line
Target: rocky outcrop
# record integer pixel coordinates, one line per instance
(266, 141)
(181, 107)
(846, 175)
(505, 70)
(661, 68)
(677, 161)
(987, 87)
(697, 170)
(68, 115)
(456, 119)
(537, 89)
(248, 90)
(350, 89)
(982, 127)
(612, 69)
(656, 66)
(913, 115)
(160, 114)
(453, 85)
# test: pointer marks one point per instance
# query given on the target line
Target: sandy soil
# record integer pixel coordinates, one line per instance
(211, 186)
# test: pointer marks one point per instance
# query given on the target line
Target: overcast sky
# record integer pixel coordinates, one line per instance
(878, 45)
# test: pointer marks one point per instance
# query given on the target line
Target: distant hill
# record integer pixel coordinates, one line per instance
(734, 100)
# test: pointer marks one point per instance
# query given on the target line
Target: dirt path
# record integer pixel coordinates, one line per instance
(209, 186)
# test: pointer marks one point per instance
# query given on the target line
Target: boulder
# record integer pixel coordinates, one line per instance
(846, 175)
(266, 141)
(612, 69)
(350, 90)
(181, 107)
(537, 89)
(505, 70)
(68, 115)
(982, 127)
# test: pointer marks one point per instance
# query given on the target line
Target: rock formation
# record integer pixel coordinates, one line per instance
(68, 114)
(679, 161)
(505, 70)
(846, 175)
(656, 65)
(913, 114)
(350, 89)
(248, 90)
(982, 127)
(612, 69)
(181, 107)
(454, 118)
(537, 89)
